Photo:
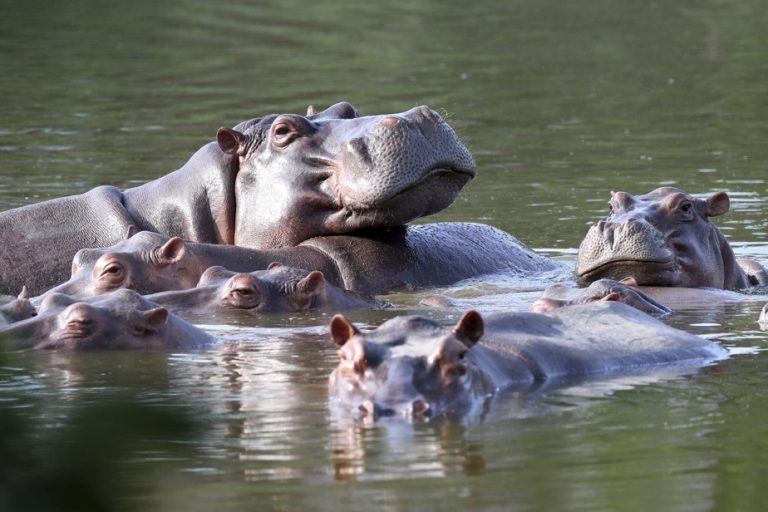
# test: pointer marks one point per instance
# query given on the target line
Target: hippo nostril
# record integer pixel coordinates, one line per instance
(368, 407)
(420, 407)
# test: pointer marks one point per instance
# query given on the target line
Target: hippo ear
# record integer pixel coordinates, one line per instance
(150, 321)
(717, 204)
(132, 230)
(274, 264)
(24, 293)
(470, 328)
(313, 284)
(341, 330)
(311, 111)
(231, 141)
(172, 251)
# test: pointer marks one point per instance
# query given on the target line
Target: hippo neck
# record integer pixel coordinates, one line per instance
(195, 202)
(501, 367)
(734, 277)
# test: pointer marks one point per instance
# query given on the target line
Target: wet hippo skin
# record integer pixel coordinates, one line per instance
(278, 289)
(119, 320)
(411, 257)
(415, 367)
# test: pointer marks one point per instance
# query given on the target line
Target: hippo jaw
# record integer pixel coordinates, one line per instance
(336, 173)
(632, 248)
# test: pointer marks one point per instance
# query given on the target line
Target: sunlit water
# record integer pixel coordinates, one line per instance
(560, 102)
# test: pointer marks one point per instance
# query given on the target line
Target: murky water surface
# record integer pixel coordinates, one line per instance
(560, 102)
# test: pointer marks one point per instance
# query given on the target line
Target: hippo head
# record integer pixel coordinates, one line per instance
(409, 366)
(334, 172)
(146, 262)
(119, 320)
(277, 289)
(663, 238)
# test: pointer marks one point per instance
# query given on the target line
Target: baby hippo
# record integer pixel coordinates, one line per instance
(278, 289)
(119, 320)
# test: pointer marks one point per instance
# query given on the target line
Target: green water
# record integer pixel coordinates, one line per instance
(559, 101)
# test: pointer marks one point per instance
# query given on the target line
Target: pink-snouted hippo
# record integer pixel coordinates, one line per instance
(413, 366)
(278, 289)
(119, 320)
(665, 238)
(273, 181)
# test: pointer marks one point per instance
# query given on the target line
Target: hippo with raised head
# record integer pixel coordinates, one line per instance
(413, 366)
(665, 238)
(409, 257)
(273, 181)
(119, 320)
(279, 289)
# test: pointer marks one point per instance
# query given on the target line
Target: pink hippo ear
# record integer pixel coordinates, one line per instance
(274, 264)
(313, 284)
(132, 230)
(150, 321)
(172, 251)
(470, 328)
(717, 204)
(231, 141)
(341, 330)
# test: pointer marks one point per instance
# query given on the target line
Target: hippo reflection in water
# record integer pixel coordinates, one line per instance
(665, 238)
(119, 320)
(278, 289)
(278, 181)
(413, 366)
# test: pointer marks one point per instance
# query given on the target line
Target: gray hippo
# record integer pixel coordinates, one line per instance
(626, 292)
(665, 238)
(408, 257)
(120, 320)
(278, 289)
(413, 366)
(271, 182)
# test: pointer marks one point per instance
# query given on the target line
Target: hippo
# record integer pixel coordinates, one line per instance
(270, 182)
(665, 238)
(558, 296)
(413, 366)
(278, 289)
(410, 257)
(122, 319)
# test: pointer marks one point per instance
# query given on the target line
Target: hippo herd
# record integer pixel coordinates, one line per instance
(287, 213)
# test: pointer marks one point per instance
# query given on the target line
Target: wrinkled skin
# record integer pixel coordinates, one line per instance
(270, 182)
(119, 320)
(412, 366)
(601, 290)
(413, 257)
(279, 289)
(665, 238)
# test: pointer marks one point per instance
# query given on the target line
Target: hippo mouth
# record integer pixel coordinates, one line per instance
(645, 272)
(435, 190)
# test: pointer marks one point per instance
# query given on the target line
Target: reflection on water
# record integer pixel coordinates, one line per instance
(560, 102)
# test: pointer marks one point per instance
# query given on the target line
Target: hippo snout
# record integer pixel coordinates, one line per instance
(79, 321)
(417, 408)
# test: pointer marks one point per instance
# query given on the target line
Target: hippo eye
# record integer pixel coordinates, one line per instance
(685, 207)
(283, 133)
(112, 272)
(462, 354)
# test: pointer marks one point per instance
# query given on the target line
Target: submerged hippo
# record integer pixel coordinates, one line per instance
(279, 289)
(410, 257)
(665, 238)
(119, 320)
(413, 366)
(273, 181)
(558, 296)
